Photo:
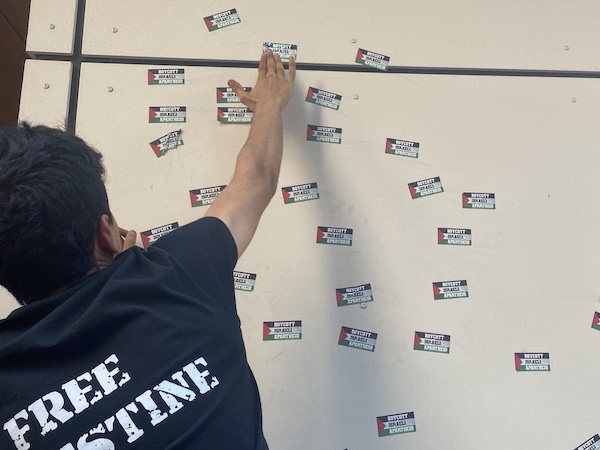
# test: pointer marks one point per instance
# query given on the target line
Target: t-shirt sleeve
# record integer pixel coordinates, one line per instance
(204, 240)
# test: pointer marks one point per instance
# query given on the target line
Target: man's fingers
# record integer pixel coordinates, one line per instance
(237, 87)
(270, 62)
(292, 68)
(129, 239)
(262, 65)
(278, 64)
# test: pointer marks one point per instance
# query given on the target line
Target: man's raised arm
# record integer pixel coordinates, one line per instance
(254, 181)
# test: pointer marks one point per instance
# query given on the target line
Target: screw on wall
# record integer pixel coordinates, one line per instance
(573, 100)
(51, 26)
(567, 47)
(354, 41)
(114, 30)
(46, 86)
(109, 89)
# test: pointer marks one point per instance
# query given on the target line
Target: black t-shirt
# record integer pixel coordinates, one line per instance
(145, 354)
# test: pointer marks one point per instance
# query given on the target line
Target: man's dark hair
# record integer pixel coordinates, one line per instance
(52, 195)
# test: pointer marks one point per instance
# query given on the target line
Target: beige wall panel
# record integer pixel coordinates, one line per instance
(531, 270)
(470, 33)
(51, 26)
(45, 92)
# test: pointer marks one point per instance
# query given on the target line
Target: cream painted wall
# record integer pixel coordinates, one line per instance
(533, 261)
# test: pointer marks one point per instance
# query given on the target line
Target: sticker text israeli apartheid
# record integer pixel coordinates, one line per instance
(162, 114)
(363, 340)
(423, 188)
(396, 424)
(205, 196)
(478, 200)
(450, 289)
(432, 342)
(149, 237)
(282, 330)
(353, 295)
(454, 236)
(335, 236)
(283, 50)
(318, 133)
(167, 142)
(234, 115)
(372, 59)
(228, 95)
(244, 281)
(323, 98)
(402, 148)
(166, 76)
(300, 193)
(527, 362)
(222, 20)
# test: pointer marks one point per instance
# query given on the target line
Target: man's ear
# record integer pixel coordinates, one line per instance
(106, 243)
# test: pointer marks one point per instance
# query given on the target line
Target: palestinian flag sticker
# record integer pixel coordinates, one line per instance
(228, 95)
(151, 236)
(283, 50)
(591, 444)
(450, 289)
(596, 321)
(454, 236)
(528, 362)
(234, 115)
(323, 98)
(222, 20)
(432, 342)
(168, 142)
(244, 281)
(300, 193)
(426, 187)
(282, 331)
(162, 114)
(205, 196)
(372, 59)
(353, 295)
(363, 340)
(335, 236)
(166, 76)
(396, 424)
(401, 148)
(317, 133)
(475, 200)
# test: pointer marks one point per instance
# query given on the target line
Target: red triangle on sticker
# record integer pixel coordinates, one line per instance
(145, 240)
(436, 291)
(359, 55)
(339, 297)
(309, 132)
(266, 331)
(417, 339)
(518, 362)
(465, 200)
(151, 76)
(388, 145)
(220, 94)
(193, 198)
(320, 234)
(151, 114)
(156, 149)
(380, 426)
(343, 335)
(286, 195)
(440, 235)
(412, 190)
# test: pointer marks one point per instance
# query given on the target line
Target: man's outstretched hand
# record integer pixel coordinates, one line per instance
(273, 87)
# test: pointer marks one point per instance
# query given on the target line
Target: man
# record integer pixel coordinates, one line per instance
(128, 349)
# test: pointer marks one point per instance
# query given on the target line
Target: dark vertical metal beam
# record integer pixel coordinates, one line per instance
(76, 60)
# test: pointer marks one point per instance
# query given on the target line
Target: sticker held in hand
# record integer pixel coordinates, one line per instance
(283, 50)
